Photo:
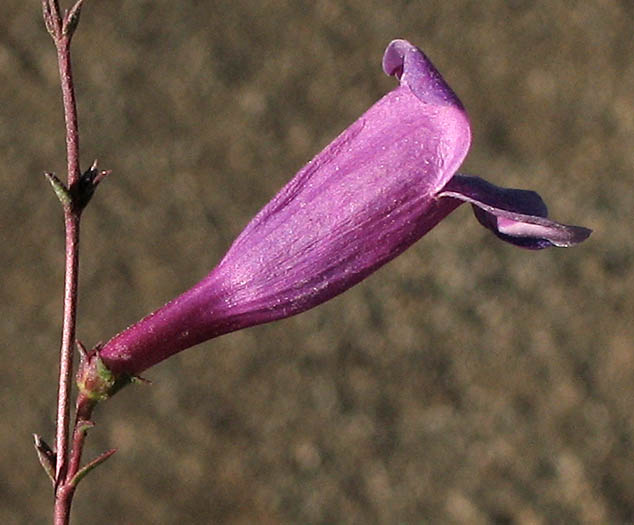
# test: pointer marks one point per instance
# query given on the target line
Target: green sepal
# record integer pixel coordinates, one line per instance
(96, 382)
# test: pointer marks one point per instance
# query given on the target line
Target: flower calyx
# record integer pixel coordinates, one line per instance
(95, 381)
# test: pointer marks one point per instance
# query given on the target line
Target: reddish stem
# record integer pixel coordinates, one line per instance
(82, 424)
(66, 468)
(71, 220)
(70, 111)
(66, 489)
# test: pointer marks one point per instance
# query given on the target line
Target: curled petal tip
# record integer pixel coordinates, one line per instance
(414, 70)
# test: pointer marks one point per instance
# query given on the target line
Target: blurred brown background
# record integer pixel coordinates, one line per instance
(467, 382)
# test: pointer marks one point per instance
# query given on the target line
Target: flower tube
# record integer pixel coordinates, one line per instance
(375, 190)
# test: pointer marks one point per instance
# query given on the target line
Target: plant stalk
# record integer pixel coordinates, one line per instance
(61, 30)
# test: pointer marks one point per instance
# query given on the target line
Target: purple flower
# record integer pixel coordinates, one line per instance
(376, 189)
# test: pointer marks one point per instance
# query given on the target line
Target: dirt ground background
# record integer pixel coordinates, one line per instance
(466, 382)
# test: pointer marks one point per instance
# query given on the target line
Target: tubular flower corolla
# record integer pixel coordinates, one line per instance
(375, 190)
